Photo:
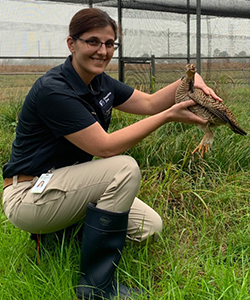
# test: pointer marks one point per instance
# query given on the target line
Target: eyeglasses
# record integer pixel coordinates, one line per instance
(96, 44)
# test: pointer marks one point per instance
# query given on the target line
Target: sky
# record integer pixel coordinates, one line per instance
(40, 28)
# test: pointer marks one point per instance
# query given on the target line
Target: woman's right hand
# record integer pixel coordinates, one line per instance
(180, 113)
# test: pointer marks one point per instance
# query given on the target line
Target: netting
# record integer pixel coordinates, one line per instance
(36, 28)
(40, 28)
(139, 75)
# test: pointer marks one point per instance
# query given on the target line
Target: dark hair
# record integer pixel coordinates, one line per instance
(88, 19)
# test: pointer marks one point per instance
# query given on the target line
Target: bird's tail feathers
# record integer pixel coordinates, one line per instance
(233, 125)
(238, 130)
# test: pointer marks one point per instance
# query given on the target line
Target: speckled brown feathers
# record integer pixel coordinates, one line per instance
(215, 112)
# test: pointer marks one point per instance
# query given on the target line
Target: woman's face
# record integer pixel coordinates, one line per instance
(88, 60)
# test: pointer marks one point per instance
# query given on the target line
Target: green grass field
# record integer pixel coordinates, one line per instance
(204, 249)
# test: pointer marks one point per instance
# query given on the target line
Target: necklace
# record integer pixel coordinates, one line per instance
(91, 88)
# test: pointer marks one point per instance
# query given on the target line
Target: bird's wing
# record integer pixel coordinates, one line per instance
(217, 108)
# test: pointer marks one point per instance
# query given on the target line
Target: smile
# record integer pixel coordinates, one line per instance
(98, 60)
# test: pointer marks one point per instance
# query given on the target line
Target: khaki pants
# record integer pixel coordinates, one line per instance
(111, 183)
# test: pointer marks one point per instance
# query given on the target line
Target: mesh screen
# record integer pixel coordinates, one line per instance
(40, 28)
(139, 75)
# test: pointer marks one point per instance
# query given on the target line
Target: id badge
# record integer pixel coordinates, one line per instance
(41, 183)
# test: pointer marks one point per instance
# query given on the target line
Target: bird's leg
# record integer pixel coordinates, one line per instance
(202, 148)
(205, 143)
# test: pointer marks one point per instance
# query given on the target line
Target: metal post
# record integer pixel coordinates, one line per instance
(153, 65)
(188, 31)
(120, 54)
(198, 36)
(168, 42)
(152, 75)
(38, 48)
(209, 52)
(90, 3)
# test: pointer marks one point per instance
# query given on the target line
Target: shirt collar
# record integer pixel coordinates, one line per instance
(76, 82)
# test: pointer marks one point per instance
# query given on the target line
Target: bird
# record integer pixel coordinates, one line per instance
(215, 112)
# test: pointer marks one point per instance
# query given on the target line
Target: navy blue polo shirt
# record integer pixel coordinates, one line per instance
(59, 103)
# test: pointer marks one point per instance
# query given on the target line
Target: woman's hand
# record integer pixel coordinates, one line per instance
(200, 84)
(180, 113)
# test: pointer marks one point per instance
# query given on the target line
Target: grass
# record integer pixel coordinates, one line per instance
(204, 249)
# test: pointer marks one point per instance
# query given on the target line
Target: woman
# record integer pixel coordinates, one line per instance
(62, 125)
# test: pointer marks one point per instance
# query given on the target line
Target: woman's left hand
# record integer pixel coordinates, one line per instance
(200, 84)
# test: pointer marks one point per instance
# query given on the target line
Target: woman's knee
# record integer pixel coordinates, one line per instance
(123, 185)
(153, 229)
(130, 171)
(144, 222)
(131, 163)
(156, 228)
(157, 224)
(146, 232)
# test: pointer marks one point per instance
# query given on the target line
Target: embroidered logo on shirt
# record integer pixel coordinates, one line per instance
(105, 99)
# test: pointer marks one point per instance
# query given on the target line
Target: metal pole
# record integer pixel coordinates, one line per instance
(120, 54)
(188, 31)
(152, 75)
(38, 48)
(198, 36)
(90, 3)
(168, 42)
(209, 52)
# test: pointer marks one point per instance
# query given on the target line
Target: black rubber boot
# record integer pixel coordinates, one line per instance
(104, 235)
